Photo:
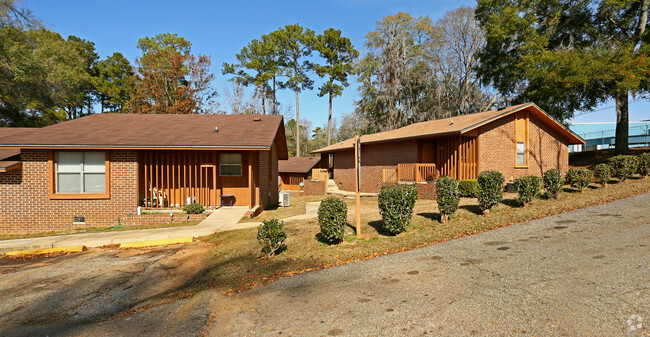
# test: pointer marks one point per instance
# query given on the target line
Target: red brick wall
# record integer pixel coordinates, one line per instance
(547, 149)
(25, 206)
(315, 187)
(374, 158)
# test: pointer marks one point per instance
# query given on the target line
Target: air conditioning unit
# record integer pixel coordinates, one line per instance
(285, 199)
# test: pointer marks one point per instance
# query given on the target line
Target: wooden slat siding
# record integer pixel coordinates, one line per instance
(214, 178)
(182, 174)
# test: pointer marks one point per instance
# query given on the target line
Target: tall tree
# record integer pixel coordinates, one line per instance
(170, 79)
(295, 44)
(290, 127)
(39, 76)
(114, 82)
(87, 94)
(416, 70)
(13, 13)
(338, 54)
(257, 66)
(568, 55)
(396, 78)
(457, 39)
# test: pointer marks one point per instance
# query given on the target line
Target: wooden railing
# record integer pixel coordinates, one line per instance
(416, 172)
(389, 175)
(319, 174)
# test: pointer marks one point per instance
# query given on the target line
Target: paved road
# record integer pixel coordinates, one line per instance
(580, 273)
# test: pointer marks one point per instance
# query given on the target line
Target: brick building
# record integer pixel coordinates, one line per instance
(516, 141)
(296, 170)
(90, 171)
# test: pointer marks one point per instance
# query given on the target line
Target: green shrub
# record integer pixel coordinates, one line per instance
(527, 188)
(491, 189)
(396, 204)
(644, 165)
(553, 182)
(624, 166)
(603, 173)
(579, 178)
(271, 235)
(332, 218)
(468, 188)
(194, 208)
(448, 197)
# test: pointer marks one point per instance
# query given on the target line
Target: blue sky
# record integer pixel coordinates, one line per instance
(221, 28)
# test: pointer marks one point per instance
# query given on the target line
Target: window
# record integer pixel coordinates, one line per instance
(521, 153)
(80, 172)
(230, 164)
(521, 139)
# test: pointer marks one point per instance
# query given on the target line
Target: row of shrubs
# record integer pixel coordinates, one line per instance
(488, 188)
(396, 202)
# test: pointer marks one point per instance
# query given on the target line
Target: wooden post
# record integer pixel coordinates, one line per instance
(357, 183)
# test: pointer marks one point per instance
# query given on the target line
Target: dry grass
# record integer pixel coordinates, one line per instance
(235, 262)
(94, 230)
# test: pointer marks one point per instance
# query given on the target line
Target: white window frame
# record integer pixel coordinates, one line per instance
(522, 153)
(222, 164)
(82, 173)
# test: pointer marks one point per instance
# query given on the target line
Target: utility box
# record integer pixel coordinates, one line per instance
(285, 199)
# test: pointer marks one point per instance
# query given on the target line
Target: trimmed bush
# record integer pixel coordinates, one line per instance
(396, 204)
(271, 235)
(553, 183)
(491, 189)
(194, 208)
(468, 188)
(644, 165)
(624, 166)
(332, 218)
(448, 197)
(579, 178)
(602, 173)
(527, 188)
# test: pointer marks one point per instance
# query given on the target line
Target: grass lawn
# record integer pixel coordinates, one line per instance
(297, 207)
(94, 230)
(235, 262)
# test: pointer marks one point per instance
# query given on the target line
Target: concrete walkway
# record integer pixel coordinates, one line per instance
(220, 220)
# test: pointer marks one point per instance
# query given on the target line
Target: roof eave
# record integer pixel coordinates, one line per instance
(569, 134)
(120, 147)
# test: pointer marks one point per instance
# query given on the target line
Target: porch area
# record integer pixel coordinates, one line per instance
(175, 178)
(455, 157)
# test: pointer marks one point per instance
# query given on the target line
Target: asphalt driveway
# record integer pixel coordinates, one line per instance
(582, 273)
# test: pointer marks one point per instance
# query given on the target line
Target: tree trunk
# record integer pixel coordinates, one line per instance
(329, 124)
(263, 100)
(275, 110)
(297, 123)
(622, 123)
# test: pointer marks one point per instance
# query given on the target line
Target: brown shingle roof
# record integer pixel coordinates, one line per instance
(297, 164)
(9, 158)
(155, 131)
(453, 125)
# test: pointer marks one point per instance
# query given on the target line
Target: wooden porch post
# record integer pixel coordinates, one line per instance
(251, 181)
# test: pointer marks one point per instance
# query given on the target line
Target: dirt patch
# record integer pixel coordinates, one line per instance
(95, 285)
